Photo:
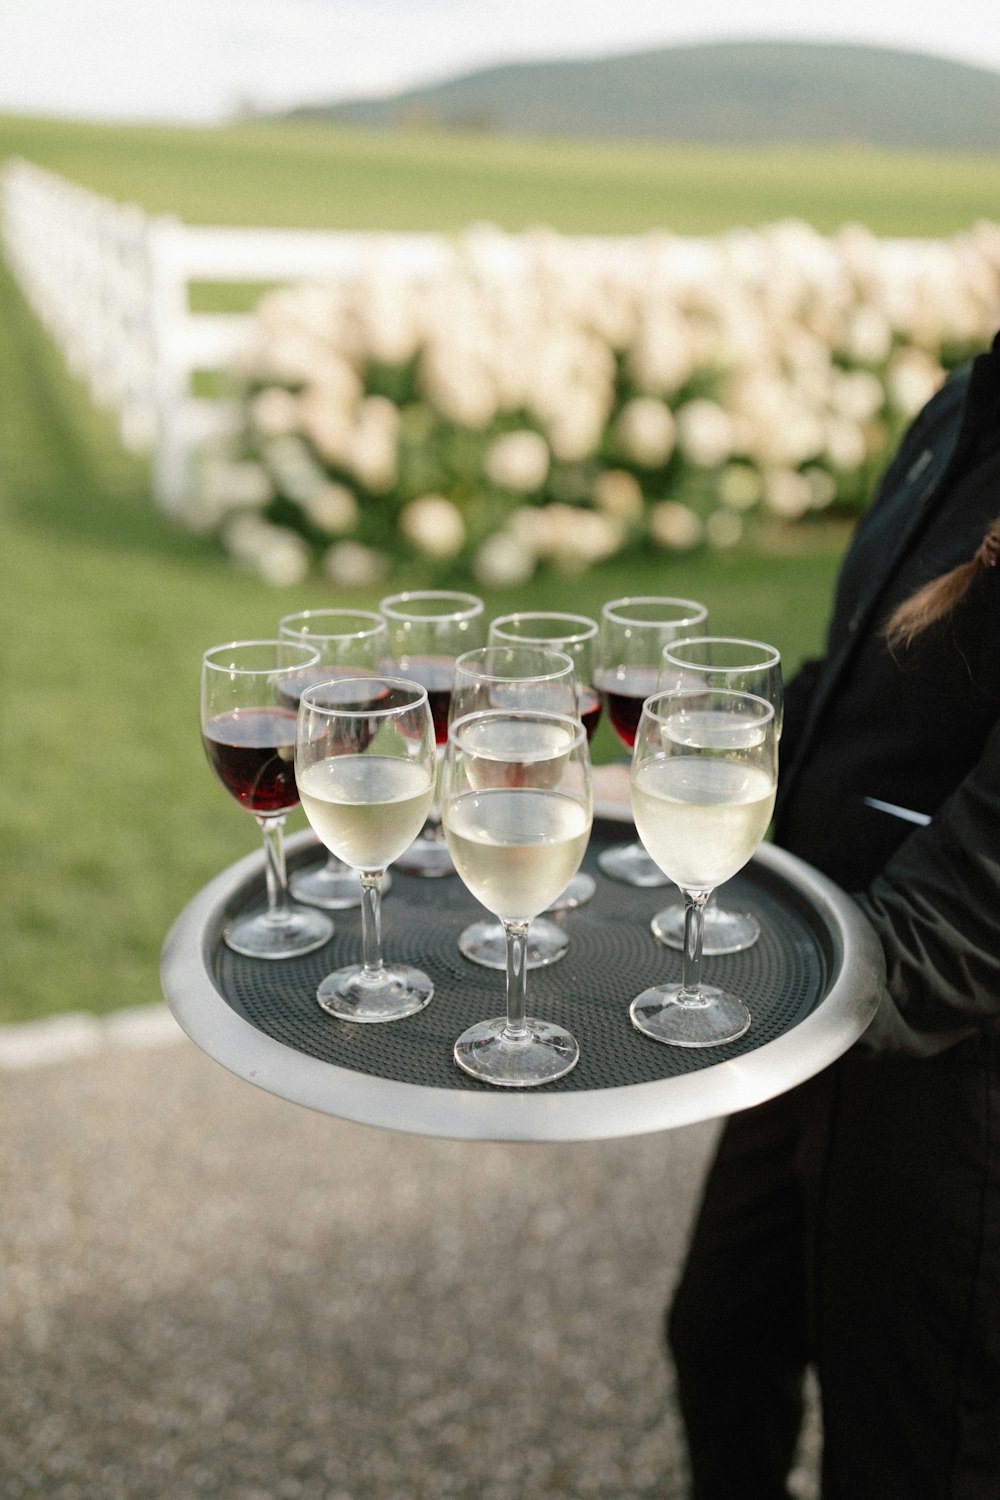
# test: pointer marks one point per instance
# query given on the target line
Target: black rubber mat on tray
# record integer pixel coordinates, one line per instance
(612, 955)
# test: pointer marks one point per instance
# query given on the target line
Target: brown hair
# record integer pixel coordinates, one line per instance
(938, 598)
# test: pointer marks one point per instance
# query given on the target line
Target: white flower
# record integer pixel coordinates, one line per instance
(740, 487)
(845, 443)
(354, 565)
(434, 526)
(675, 526)
(645, 432)
(856, 394)
(704, 433)
(822, 487)
(275, 411)
(373, 444)
(912, 378)
(518, 461)
(867, 335)
(787, 494)
(618, 493)
(503, 560)
(332, 507)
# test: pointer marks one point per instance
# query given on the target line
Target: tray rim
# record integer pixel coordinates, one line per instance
(528, 1115)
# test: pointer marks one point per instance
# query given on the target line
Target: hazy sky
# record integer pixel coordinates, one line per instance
(197, 60)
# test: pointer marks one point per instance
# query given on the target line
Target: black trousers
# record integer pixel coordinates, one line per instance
(853, 1223)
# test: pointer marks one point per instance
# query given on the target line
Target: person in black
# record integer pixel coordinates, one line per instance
(853, 1224)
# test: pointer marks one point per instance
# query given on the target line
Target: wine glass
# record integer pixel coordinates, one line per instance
(365, 764)
(428, 628)
(517, 806)
(512, 675)
(248, 731)
(633, 634)
(577, 636)
(704, 771)
(746, 667)
(350, 642)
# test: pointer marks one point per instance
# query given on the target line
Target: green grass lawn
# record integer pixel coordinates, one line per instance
(113, 819)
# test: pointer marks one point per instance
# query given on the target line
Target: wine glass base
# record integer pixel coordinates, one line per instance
(579, 891)
(389, 995)
(486, 1052)
(717, 1017)
(333, 890)
(427, 857)
(486, 943)
(631, 864)
(725, 931)
(297, 932)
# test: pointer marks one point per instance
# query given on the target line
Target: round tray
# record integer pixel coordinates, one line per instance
(812, 983)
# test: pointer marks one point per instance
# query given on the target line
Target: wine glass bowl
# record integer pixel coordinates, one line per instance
(703, 779)
(350, 642)
(633, 633)
(248, 732)
(365, 767)
(428, 629)
(517, 809)
(747, 666)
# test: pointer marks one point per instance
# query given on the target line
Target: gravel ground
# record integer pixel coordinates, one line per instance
(205, 1290)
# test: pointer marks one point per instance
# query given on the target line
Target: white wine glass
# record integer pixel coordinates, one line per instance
(745, 666)
(577, 636)
(365, 764)
(703, 779)
(428, 628)
(632, 636)
(508, 674)
(517, 807)
(351, 643)
(248, 731)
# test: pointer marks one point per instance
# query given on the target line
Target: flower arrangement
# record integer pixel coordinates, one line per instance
(553, 402)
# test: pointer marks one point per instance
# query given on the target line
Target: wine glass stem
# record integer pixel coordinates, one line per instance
(274, 868)
(371, 922)
(516, 1029)
(694, 932)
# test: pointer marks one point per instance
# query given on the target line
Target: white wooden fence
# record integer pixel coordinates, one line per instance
(112, 284)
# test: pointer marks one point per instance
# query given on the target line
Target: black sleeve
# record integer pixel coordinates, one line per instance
(936, 909)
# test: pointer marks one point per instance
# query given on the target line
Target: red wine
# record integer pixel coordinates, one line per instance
(437, 675)
(624, 693)
(252, 751)
(590, 710)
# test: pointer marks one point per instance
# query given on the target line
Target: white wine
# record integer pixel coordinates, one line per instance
(516, 849)
(701, 819)
(503, 751)
(715, 729)
(366, 808)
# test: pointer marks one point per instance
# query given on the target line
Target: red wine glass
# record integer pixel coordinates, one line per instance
(248, 731)
(633, 634)
(350, 642)
(428, 628)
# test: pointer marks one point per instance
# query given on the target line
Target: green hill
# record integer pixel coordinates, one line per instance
(740, 92)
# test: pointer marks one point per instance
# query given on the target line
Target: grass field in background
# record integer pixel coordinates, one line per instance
(112, 819)
(314, 175)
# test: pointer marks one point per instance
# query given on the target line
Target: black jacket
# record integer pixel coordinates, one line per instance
(918, 729)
